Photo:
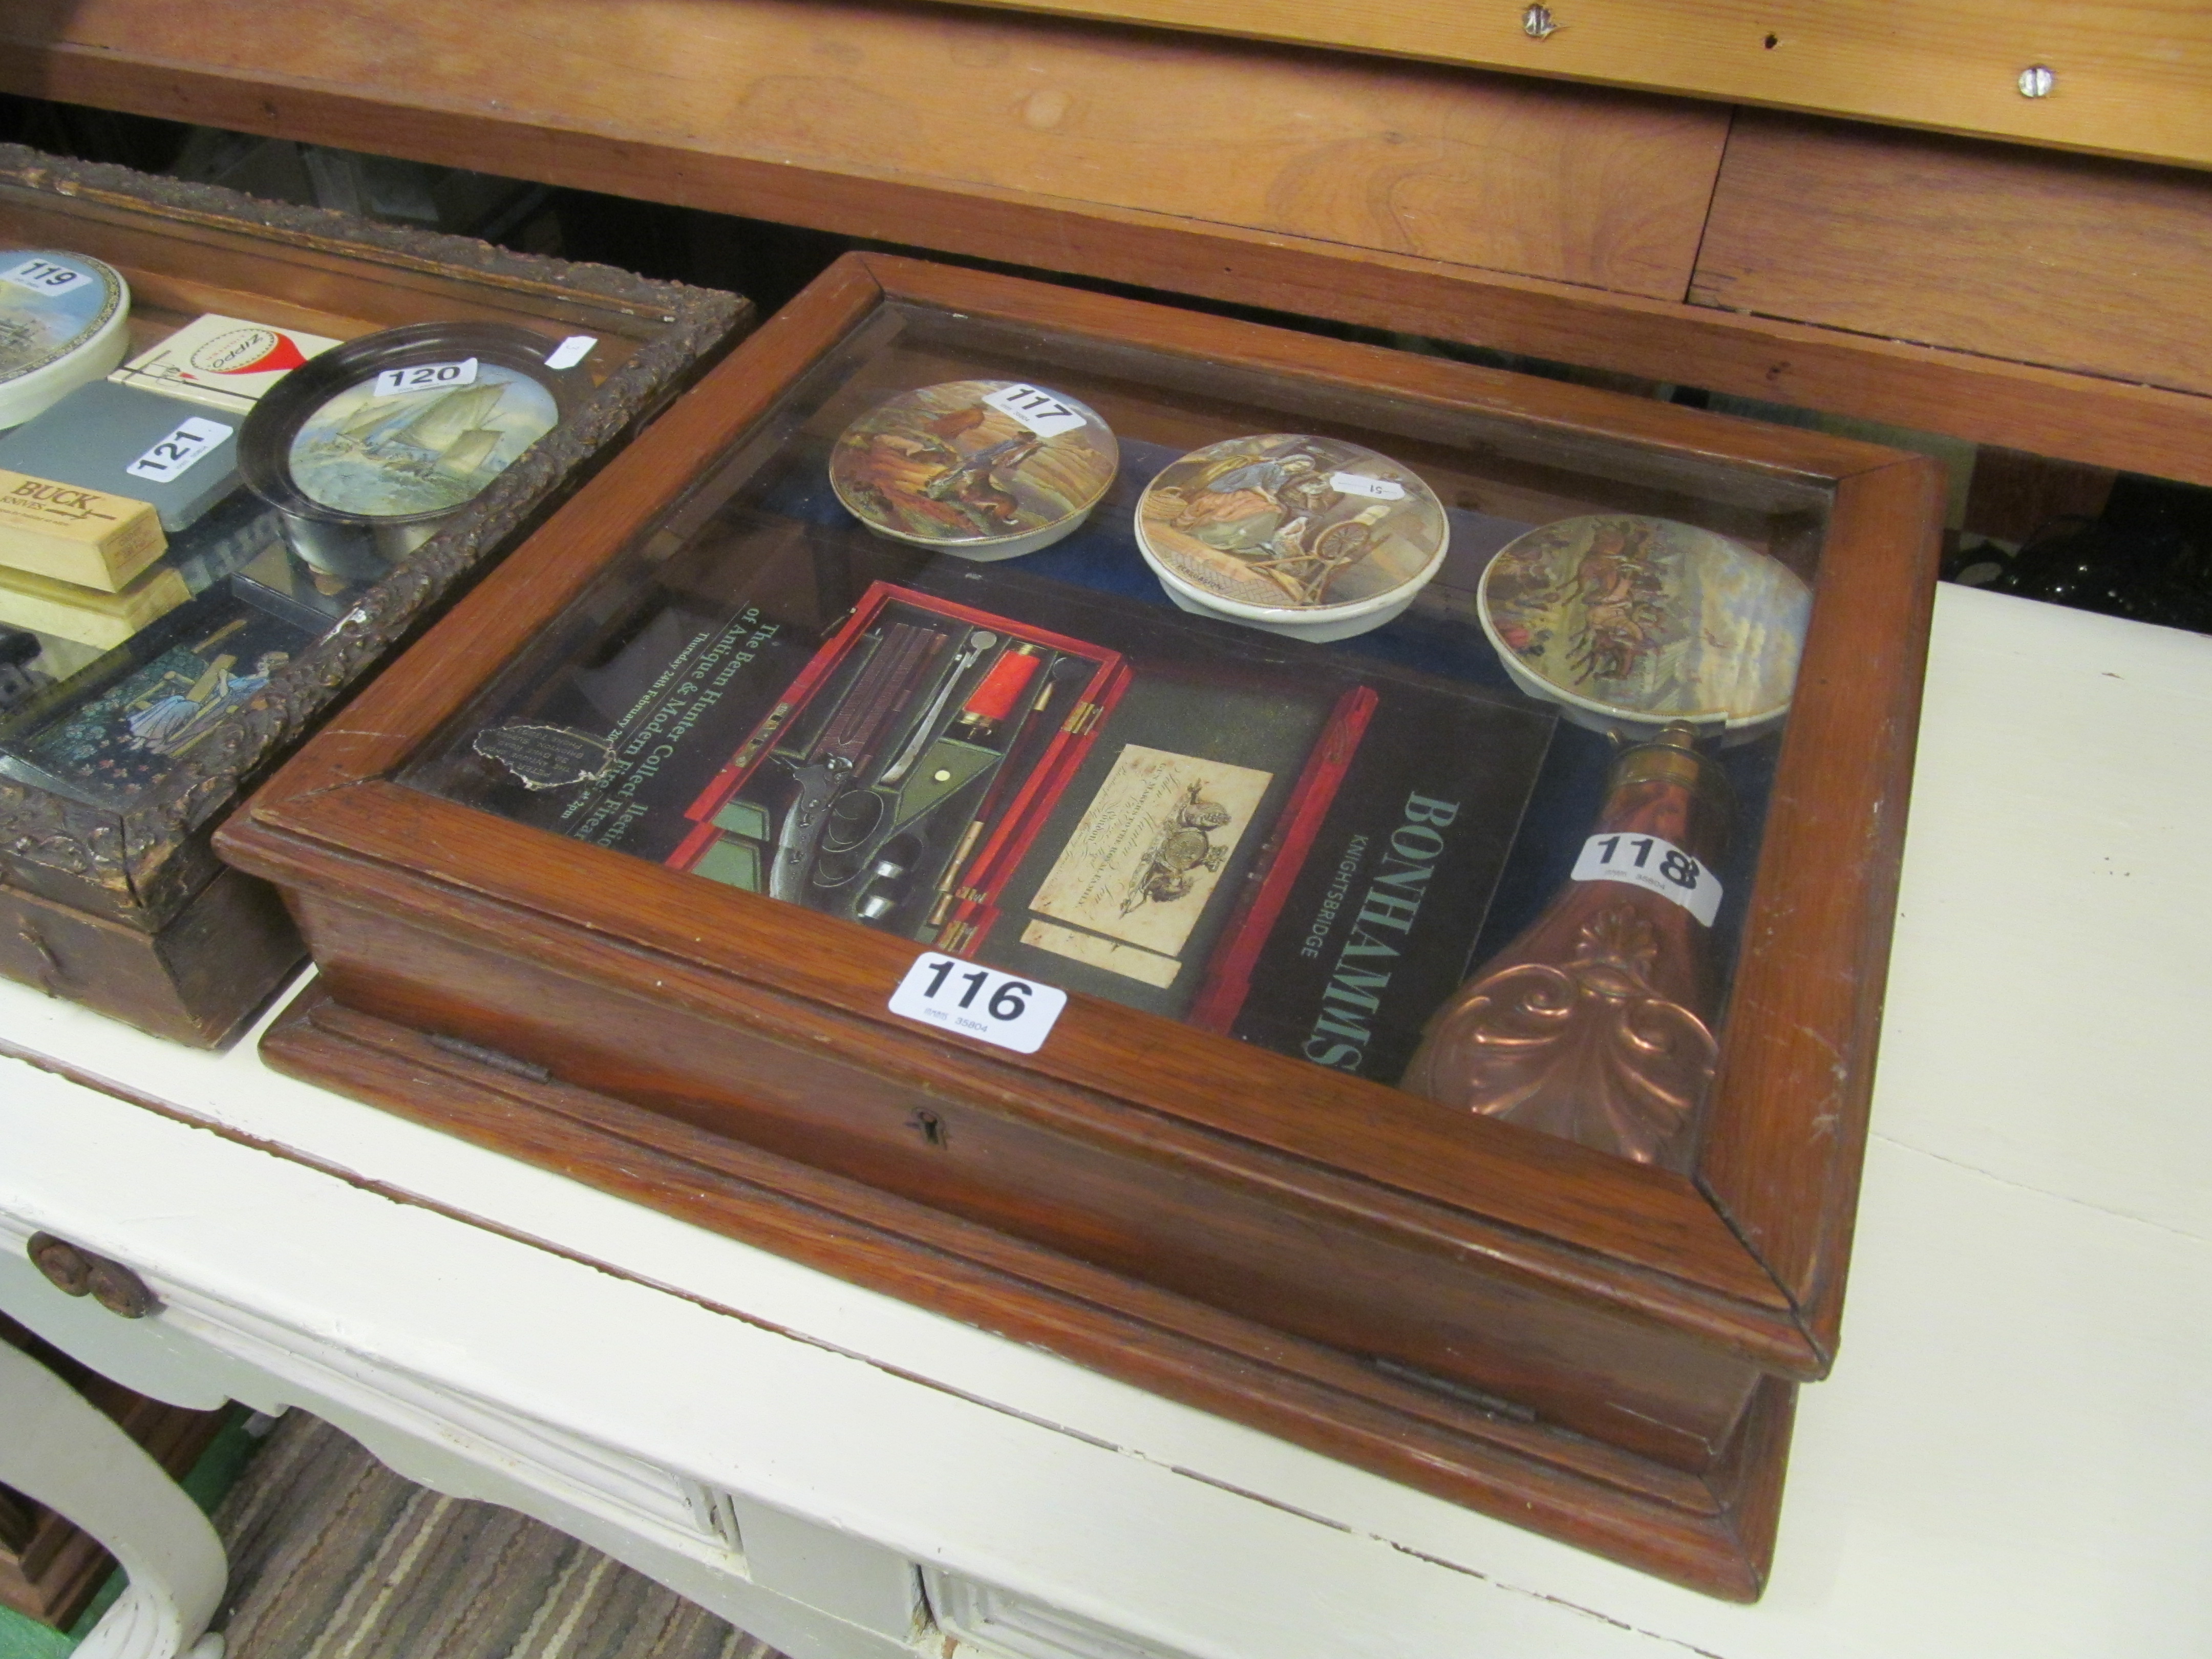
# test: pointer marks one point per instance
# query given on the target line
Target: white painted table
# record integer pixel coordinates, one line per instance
(2014, 1458)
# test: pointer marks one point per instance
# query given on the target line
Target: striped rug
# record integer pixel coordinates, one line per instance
(332, 1556)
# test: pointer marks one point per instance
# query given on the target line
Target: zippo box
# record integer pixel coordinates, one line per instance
(609, 871)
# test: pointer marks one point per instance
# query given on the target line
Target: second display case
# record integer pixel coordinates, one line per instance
(143, 692)
(1372, 922)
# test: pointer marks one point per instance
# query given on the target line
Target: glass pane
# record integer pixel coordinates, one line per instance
(1040, 762)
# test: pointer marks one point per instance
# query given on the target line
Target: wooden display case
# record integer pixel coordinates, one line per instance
(1602, 1350)
(120, 902)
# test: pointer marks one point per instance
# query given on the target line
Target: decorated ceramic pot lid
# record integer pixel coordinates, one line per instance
(1634, 619)
(63, 323)
(988, 467)
(398, 430)
(423, 431)
(1287, 523)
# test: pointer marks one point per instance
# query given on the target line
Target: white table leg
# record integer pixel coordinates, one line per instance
(59, 1450)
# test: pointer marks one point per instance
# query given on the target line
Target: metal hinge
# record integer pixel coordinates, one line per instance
(492, 1057)
(1489, 1404)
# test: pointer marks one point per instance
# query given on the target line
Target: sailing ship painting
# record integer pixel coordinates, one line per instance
(418, 451)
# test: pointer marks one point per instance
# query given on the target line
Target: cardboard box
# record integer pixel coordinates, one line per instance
(87, 614)
(123, 442)
(75, 534)
(224, 362)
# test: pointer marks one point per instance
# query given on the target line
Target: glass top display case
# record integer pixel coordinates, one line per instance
(146, 678)
(1347, 887)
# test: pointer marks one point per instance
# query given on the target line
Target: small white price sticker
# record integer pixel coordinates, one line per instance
(45, 277)
(1040, 411)
(978, 1002)
(1376, 489)
(427, 377)
(571, 352)
(179, 451)
(1655, 865)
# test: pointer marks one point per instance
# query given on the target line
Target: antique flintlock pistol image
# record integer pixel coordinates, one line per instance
(869, 709)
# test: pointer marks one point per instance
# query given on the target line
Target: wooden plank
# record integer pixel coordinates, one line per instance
(2082, 417)
(2067, 261)
(2127, 79)
(1834, 843)
(1608, 191)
